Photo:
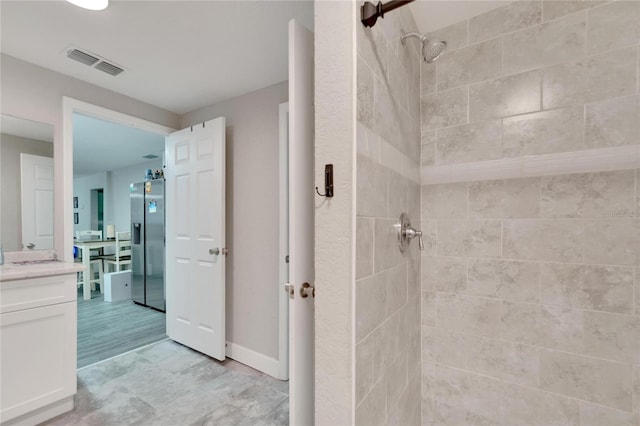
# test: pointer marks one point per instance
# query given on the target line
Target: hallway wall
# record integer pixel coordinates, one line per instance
(530, 158)
(252, 211)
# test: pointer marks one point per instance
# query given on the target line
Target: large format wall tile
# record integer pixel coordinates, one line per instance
(444, 347)
(550, 240)
(371, 186)
(513, 198)
(365, 93)
(515, 16)
(463, 398)
(547, 326)
(478, 62)
(501, 279)
(469, 142)
(468, 314)
(447, 274)
(613, 122)
(614, 25)
(372, 411)
(552, 9)
(385, 248)
(447, 108)
(612, 241)
(455, 35)
(546, 44)
(600, 288)
(598, 77)
(603, 382)
(371, 304)
(530, 296)
(546, 132)
(447, 201)
(587, 194)
(516, 94)
(509, 361)
(597, 415)
(364, 247)
(612, 336)
(478, 238)
(428, 154)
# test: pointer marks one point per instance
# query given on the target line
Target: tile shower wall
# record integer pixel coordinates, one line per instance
(530, 281)
(387, 369)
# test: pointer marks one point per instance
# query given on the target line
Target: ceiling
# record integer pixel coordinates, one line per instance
(100, 146)
(431, 15)
(180, 55)
(177, 55)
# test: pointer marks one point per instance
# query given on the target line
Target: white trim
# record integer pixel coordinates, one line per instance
(253, 359)
(69, 106)
(592, 160)
(283, 246)
(43, 414)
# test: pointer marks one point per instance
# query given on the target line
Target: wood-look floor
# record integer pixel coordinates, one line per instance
(109, 329)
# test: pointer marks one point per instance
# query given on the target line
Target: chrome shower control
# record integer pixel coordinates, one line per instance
(406, 233)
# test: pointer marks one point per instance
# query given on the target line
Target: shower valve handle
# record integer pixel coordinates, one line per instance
(412, 233)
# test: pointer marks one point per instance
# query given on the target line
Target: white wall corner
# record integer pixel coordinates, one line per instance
(335, 106)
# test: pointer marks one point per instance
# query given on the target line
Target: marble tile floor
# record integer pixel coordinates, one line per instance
(167, 384)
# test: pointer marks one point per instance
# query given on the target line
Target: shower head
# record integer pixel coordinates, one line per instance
(431, 48)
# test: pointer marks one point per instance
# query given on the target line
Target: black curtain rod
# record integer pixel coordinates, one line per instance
(371, 12)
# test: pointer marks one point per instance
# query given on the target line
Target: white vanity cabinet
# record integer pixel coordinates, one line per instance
(37, 348)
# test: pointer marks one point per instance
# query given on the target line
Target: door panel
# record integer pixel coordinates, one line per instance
(301, 223)
(36, 175)
(195, 223)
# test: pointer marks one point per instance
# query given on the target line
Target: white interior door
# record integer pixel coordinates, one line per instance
(301, 224)
(195, 237)
(36, 174)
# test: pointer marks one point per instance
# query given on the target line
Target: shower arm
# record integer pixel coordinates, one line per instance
(371, 12)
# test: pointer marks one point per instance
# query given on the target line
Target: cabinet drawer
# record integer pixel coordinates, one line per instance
(34, 292)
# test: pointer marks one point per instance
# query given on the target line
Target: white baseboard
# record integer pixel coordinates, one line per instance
(253, 359)
(42, 414)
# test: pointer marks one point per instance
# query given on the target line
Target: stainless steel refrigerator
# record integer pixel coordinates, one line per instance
(148, 243)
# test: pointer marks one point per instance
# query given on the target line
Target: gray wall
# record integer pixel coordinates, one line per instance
(118, 197)
(10, 149)
(253, 286)
(387, 316)
(35, 93)
(530, 128)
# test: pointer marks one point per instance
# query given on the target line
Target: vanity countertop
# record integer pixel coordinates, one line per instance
(12, 271)
(21, 267)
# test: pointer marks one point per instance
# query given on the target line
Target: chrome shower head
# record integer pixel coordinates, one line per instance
(431, 48)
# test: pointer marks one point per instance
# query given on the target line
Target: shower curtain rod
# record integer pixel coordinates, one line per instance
(370, 12)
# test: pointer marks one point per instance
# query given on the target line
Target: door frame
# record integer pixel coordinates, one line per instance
(283, 244)
(65, 164)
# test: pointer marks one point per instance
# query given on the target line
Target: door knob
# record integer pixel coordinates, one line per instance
(215, 251)
(31, 246)
(307, 290)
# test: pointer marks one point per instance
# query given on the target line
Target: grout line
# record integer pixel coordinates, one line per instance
(495, 379)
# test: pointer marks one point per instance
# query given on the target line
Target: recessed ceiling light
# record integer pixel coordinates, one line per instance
(91, 4)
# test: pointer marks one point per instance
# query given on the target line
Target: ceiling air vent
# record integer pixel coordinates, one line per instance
(80, 56)
(150, 156)
(109, 68)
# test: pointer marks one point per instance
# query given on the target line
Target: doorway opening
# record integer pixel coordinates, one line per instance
(109, 322)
